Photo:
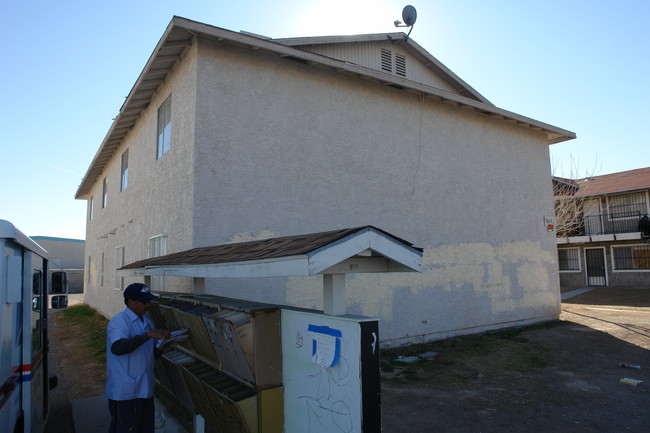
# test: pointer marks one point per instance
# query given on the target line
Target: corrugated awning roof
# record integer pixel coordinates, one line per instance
(371, 250)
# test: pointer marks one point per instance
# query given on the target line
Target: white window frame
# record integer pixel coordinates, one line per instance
(91, 208)
(104, 192)
(612, 254)
(578, 257)
(124, 170)
(157, 246)
(610, 200)
(100, 270)
(163, 136)
(89, 270)
(119, 262)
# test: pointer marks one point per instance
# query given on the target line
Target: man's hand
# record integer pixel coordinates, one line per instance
(158, 333)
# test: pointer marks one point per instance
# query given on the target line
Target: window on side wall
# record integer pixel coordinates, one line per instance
(91, 208)
(157, 247)
(104, 192)
(569, 259)
(631, 258)
(124, 178)
(100, 268)
(164, 128)
(119, 262)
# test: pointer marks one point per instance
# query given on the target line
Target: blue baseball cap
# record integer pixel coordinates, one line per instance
(139, 292)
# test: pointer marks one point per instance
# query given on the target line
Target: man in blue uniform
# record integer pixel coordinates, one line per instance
(130, 355)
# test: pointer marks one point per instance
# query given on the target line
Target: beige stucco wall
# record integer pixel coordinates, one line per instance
(159, 197)
(263, 146)
(285, 148)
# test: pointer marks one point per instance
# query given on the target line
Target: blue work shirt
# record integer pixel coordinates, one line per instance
(131, 375)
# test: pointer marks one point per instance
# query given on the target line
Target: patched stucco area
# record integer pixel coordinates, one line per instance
(462, 287)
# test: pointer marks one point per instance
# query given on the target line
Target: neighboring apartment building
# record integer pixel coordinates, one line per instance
(603, 239)
(231, 136)
(68, 254)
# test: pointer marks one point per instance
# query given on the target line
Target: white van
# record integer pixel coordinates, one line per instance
(25, 283)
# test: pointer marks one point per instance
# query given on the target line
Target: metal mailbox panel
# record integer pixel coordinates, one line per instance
(199, 398)
(248, 345)
(199, 342)
(171, 374)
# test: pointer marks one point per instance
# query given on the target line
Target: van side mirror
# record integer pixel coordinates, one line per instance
(59, 281)
(59, 302)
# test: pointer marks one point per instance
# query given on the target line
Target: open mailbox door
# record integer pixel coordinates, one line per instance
(230, 368)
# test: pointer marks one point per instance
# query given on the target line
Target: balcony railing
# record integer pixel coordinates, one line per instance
(605, 224)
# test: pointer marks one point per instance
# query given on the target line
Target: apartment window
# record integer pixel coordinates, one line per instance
(627, 205)
(569, 259)
(104, 192)
(631, 258)
(89, 278)
(124, 179)
(100, 268)
(164, 127)
(91, 208)
(157, 247)
(119, 262)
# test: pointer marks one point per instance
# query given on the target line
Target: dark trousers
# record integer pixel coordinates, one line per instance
(132, 416)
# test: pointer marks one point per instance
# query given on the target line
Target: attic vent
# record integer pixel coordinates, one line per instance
(400, 65)
(397, 67)
(386, 60)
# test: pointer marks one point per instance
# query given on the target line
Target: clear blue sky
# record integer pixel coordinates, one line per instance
(582, 65)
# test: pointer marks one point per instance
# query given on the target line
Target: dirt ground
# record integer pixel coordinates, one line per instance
(575, 386)
(578, 389)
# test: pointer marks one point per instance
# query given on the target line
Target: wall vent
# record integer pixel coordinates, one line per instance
(386, 60)
(400, 65)
(393, 63)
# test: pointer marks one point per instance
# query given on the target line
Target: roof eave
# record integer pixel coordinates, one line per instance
(131, 109)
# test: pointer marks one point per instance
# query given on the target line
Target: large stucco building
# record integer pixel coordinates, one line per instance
(231, 136)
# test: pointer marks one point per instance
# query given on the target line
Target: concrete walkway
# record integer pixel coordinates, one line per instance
(576, 292)
(90, 415)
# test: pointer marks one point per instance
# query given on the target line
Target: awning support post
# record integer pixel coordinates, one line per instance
(334, 294)
(198, 286)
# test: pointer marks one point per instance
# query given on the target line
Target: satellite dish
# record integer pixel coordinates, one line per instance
(409, 15)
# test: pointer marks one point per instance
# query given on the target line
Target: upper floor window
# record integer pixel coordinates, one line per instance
(104, 192)
(124, 179)
(91, 208)
(632, 205)
(164, 127)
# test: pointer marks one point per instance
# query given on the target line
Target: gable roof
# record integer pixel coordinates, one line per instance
(405, 43)
(181, 33)
(373, 250)
(624, 181)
